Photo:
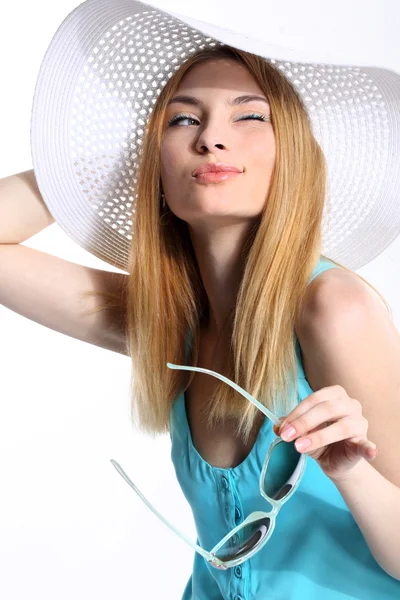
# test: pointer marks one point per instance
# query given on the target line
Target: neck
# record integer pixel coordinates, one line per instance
(220, 258)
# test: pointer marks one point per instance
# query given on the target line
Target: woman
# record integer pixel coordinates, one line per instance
(226, 273)
(230, 284)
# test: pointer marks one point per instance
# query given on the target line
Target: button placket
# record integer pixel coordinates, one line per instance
(226, 497)
(234, 518)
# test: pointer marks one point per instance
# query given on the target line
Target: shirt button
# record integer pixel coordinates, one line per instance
(237, 597)
(225, 483)
(238, 512)
(238, 571)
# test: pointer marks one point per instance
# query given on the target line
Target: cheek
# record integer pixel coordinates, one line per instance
(261, 152)
(170, 157)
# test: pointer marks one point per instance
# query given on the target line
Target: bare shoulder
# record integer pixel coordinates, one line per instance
(335, 289)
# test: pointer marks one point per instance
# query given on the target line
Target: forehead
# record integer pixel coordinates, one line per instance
(222, 76)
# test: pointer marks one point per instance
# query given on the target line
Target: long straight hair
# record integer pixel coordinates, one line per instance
(165, 296)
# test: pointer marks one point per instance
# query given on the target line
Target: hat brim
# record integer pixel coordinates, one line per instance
(335, 39)
(88, 120)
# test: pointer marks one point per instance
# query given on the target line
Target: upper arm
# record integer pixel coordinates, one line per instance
(348, 338)
(52, 291)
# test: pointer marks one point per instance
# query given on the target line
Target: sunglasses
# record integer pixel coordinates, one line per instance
(276, 486)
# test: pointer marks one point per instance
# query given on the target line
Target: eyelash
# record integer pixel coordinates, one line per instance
(179, 117)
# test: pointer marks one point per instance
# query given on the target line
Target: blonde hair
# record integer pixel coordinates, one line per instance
(165, 295)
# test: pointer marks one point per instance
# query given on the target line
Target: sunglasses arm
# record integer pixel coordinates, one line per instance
(233, 385)
(207, 555)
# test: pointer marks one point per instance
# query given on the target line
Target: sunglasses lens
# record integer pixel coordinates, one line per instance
(244, 540)
(283, 470)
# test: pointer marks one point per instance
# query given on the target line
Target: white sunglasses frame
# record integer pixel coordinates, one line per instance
(294, 481)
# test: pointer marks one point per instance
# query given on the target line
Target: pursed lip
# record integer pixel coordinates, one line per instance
(215, 168)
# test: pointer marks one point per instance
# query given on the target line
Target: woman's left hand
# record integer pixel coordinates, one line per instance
(334, 425)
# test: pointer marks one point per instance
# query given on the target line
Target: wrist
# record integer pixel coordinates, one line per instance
(356, 472)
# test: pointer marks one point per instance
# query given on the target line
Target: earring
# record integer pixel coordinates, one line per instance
(163, 200)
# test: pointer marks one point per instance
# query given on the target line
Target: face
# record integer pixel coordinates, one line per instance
(212, 128)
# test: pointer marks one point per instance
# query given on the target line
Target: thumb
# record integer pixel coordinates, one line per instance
(276, 428)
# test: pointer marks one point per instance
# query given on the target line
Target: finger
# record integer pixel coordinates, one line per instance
(321, 413)
(368, 449)
(327, 393)
(343, 429)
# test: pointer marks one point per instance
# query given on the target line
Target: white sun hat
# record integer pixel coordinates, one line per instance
(98, 82)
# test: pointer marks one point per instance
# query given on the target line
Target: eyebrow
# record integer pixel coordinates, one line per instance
(235, 102)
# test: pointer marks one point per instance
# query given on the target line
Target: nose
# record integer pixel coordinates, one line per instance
(208, 147)
(209, 139)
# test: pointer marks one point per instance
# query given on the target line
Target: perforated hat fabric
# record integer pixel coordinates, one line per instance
(99, 79)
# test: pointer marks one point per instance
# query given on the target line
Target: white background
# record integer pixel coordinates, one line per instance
(70, 527)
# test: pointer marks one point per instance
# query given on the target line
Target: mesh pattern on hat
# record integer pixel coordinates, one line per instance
(119, 86)
(350, 120)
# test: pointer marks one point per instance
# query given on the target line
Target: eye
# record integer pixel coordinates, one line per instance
(178, 118)
(257, 116)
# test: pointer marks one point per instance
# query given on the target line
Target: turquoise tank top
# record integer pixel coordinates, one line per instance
(316, 552)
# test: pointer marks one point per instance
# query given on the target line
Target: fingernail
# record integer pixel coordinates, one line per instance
(302, 444)
(288, 432)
